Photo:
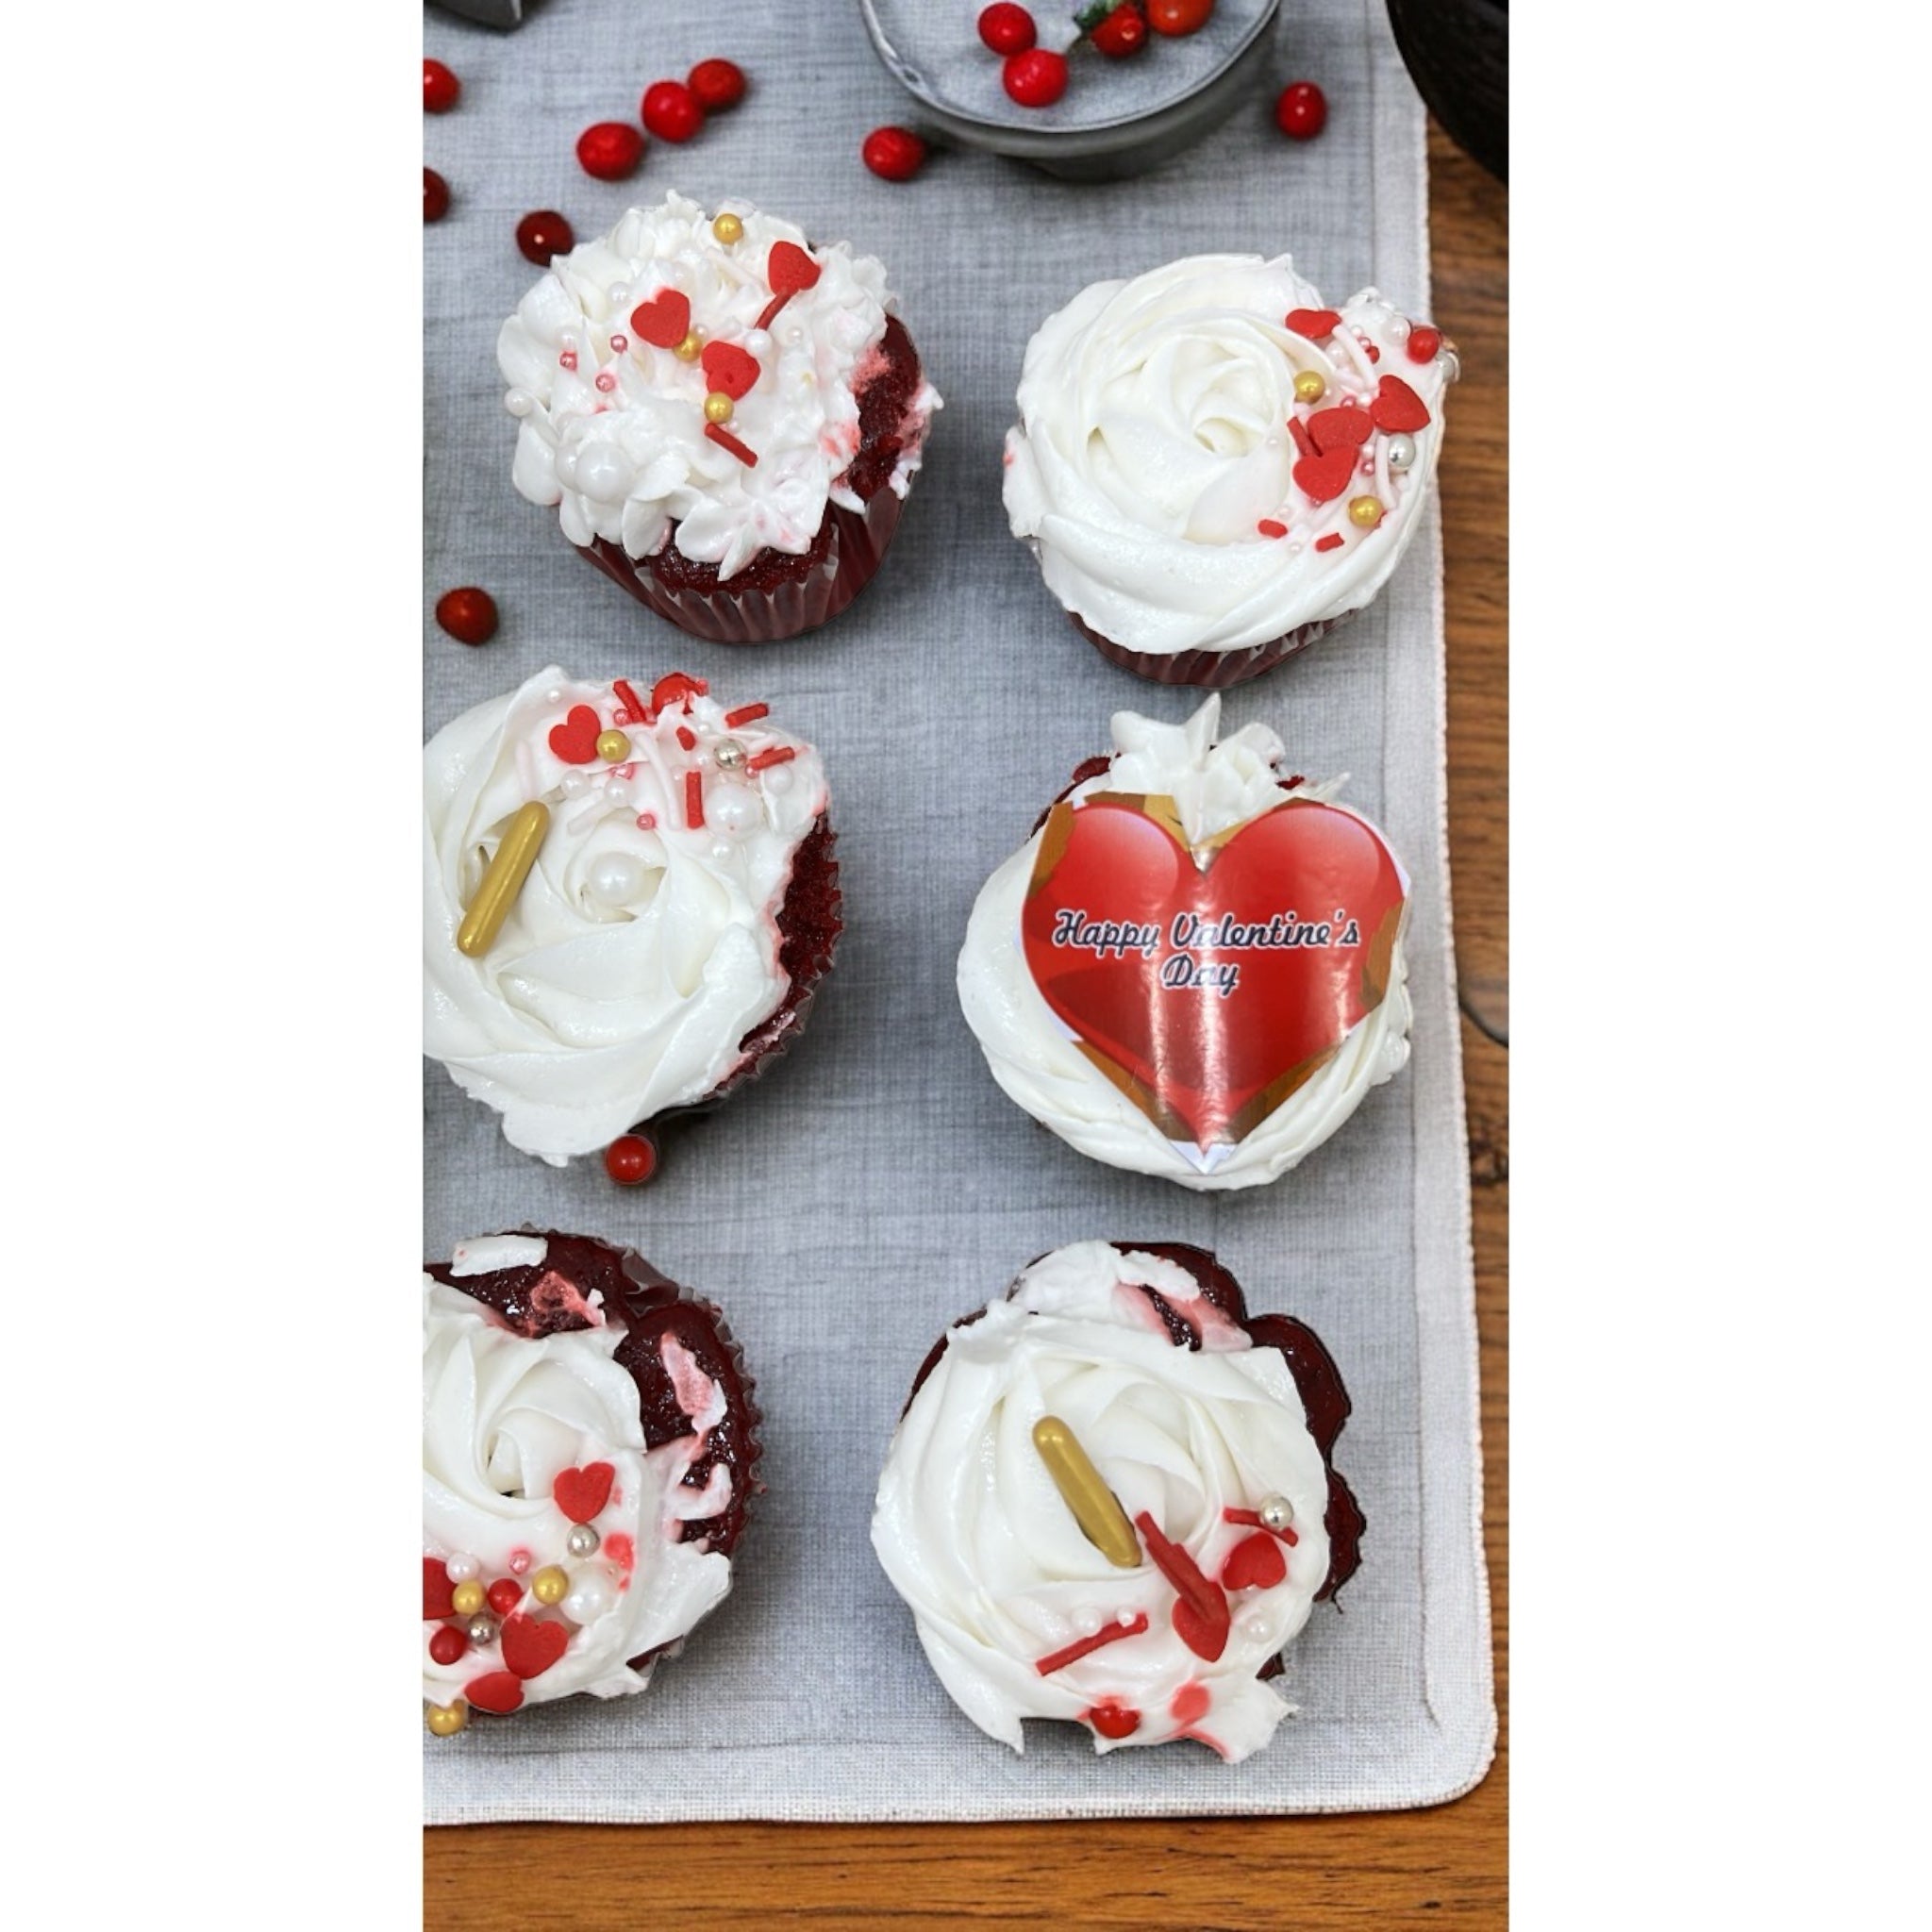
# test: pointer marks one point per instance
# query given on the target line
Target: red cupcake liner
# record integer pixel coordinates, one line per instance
(1210, 670)
(850, 547)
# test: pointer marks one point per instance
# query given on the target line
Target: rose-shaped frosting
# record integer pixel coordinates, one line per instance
(643, 945)
(1215, 785)
(612, 425)
(503, 1416)
(1157, 468)
(976, 1537)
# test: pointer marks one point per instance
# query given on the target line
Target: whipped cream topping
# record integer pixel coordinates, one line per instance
(975, 1536)
(504, 1417)
(643, 945)
(611, 425)
(1215, 785)
(1157, 468)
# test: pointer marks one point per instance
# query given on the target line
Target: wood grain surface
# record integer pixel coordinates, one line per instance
(1440, 1868)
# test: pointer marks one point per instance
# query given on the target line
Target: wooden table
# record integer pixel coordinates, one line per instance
(1441, 1868)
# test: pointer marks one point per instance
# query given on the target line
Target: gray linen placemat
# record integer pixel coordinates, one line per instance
(876, 1184)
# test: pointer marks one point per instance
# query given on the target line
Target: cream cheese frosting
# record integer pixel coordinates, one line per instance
(975, 1536)
(611, 425)
(643, 947)
(1215, 785)
(1162, 469)
(503, 1418)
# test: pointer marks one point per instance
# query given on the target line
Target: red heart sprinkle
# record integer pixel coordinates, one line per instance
(789, 269)
(1334, 429)
(1313, 322)
(1207, 1636)
(581, 1492)
(676, 687)
(664, 320)
(1397, 408)
(576, 740)
(530, 1647)
(437, 1589)
(504, 1595)
(1324, 478)
(1113, 1720)
(497, 1691)
(729, 368)
(1255, 1563)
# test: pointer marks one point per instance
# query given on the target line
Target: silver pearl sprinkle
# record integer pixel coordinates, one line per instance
(1401, 453)
(481, 1630)
(1452, 363)
(729, 753)
(1276, 1513)
(582, 1540)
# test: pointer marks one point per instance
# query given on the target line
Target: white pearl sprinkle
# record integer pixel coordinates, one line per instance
(1088, 1622)
(587, 1601)
(573, 784)
(777, 780)
(518, 401)
(732, 809)
(461, 1568)
(618, 292)
(1256, 1629)
(616, 878)
(601, 470)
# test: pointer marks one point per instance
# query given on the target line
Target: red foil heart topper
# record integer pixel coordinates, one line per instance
(1209, 983)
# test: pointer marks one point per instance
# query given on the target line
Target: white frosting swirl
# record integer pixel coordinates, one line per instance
(503, 1417)
(637, 956)
(1153, 441)
(1215, 785)
(627, 460)
(976, 1537)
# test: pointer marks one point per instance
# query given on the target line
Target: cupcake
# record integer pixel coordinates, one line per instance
(1213, 469)
(627, 902)
(589, 1448)
(1194, 966)
(1110, 1501)
(726, 418)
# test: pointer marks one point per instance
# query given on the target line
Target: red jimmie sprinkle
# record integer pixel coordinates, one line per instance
(1060, 1659)
(1375, 354)
(725, 439)
(639, 712)
(1269, 527)
(694, 799)
(688, 737)
(777, 754)
(1248, 1518)
(1331, 542)
(1297, 429)
(746, 714)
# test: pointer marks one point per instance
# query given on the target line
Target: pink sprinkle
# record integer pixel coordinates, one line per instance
(647, 821)
(1367, 466)
(569, 358)
(627, 770)
(518, 1562)
(746, 714)
(687, 738)
(1269, 527)
(694, 799)
(1190, 1703)
(1331, 542)
(618, 344)
(606, 381)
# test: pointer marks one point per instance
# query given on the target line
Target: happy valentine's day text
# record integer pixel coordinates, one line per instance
(1189, 935)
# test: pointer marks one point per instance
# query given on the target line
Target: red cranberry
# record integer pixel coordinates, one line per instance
(671, 112)
(1123, 32)
(893, 154)
(630, 1161)
(610, 150)
(1036, 78)
(1302, 111)
(440, 88)
(448, 1643)
(542, 233)
(435, 195)
(718, 84)
(1006, 28)
(469, 615)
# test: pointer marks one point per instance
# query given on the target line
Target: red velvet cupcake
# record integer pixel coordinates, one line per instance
(728, 419)
(590, 1453)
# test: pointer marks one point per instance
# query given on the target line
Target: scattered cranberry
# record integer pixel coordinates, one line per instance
(440, 88)
(671, 112)
(448, 1643)
(1036, 78)
(610, 150)
(504, 1595)
(718, 84)
(1423, 342)
(893, 154)
(1123, 32)
(1302, 111)
(630, 1161)
(1006, 28)
(1175, 18)
(435, 195)
(542, 233)
(469, 615)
